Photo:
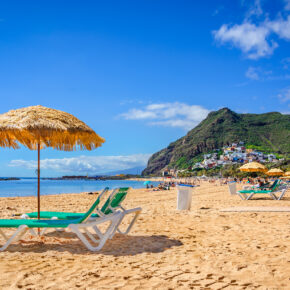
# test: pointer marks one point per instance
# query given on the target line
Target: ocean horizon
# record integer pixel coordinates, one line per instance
(27, 186)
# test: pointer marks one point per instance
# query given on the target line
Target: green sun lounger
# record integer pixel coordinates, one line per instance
(112, 204)
(247, 194)
(78, 226)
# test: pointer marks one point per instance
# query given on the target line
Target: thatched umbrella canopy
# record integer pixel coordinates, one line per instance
(38, 127)
(287, 173)
(275, 172)
(253, 167)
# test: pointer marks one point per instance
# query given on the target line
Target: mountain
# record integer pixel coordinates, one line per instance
(269, 132)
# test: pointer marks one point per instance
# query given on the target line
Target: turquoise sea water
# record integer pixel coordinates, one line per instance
(28, 187)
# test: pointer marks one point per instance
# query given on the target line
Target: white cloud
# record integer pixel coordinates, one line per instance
(177, 123)
(86, 164)
(284, 96)
(251, 39)
(252, 73)
(135, 114)
(169, 114)
(257, 73)
(255, 9)
(281, 27)
(255, 40)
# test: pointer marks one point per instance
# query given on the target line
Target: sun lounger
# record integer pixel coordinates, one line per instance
(112, 204)
(79, 226)
(248, 194)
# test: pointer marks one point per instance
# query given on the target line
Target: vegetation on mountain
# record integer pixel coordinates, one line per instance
(269, 133)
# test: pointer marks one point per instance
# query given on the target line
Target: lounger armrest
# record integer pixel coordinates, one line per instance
(111, 217)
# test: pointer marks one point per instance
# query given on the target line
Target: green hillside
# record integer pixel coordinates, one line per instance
(268, 132)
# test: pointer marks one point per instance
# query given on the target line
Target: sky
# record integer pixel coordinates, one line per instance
(139, 73)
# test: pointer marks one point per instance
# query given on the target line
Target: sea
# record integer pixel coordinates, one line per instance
(28, 186)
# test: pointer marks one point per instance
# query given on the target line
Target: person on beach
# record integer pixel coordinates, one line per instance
(260, 183)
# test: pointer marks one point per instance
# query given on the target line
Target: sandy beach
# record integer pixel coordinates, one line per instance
(198, 249)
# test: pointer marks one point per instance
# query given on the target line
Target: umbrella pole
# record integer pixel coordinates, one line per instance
(38, 184)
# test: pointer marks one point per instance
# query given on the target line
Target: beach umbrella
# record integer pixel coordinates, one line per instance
(286, 175)
(38, 127)
(253, 167)
(147, 182)
(275, 172)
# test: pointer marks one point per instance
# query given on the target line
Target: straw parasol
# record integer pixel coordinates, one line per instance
(253, 167)
(37, 127)
(275, 172)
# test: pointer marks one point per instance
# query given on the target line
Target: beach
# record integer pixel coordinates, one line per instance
(203, 248)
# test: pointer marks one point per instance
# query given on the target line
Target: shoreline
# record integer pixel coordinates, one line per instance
(28, 188)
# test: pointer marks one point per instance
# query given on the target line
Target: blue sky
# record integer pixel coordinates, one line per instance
(140, 73)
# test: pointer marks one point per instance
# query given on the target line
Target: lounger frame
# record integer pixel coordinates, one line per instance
(272, 194)
(80, 228)
(102, 213)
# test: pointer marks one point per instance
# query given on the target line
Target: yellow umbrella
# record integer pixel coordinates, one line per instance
(253, 167)
(285, 177)
(275, 172)
(38, 127)
(287, 173)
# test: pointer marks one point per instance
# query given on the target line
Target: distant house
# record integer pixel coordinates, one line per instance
(211, 165)
(207, 156)
(172, 172)
(241, 149)
(165, 172)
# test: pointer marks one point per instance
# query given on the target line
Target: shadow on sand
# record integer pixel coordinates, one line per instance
(120, 245)
(268, 198)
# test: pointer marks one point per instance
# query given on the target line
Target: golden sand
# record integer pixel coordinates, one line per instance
(199, 249)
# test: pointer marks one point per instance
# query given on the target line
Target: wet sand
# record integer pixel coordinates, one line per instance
(167, 249)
